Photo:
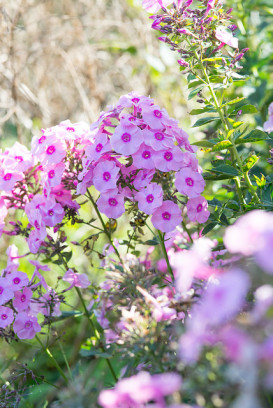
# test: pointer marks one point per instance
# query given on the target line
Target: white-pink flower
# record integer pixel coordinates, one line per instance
(150, 198)
(26, 326)
(189, 182)
(167, 217)
(105, 176)
(224, 35)
(76, 279)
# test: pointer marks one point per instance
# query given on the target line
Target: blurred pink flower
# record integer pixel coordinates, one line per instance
(6, 316)
(26, 326)
(167, 217)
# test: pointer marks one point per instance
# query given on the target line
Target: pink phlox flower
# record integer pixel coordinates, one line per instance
(252, 234)
(86, 177)
(167, 160)
(48, 304)
(111, 204)
(6, 293)
(161, 310)
(35, 204)
(35, 218)
(210, 5)
(52, 212)
(144, 158)
(158, 140)
(167, 217)
(54, 151)
(141, 389)
(79, 132)
(17, 280)
(26, 326)
(189, 182)
(143, 178)
(34, 241)
(126, 140)
(105, 176)
(52, 175)
(8, 178)
(224, 297)
(224, 35)
(21, 300)
(100, 145)
(197, 209)
(155, 117)
(76, 279)
(64, 197)
(236, 343)
(6, 316)
(153, 6)
(150, 198)
(190, 160)
(133, 99)
(13, 262)
(18, 158)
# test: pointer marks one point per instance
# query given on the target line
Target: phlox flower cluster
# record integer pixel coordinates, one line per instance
(23, 301)
(135, 152)
(207, 23)
(136, 146)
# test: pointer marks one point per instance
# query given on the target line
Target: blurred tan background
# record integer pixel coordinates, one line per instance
(65, 59)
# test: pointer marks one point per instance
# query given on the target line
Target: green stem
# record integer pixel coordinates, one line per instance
(103, 225)
(96, 334)
(233, 149)
(48, 352)
(65, 359)
(162, 242)
(187, 231)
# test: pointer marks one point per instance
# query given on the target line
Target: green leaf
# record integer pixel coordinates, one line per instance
(226, 169)
(233, 101)
(245, 110)
(209, 228)
(195, 83)
(250, 162)
(208, 108)
(153, 241)
(195, 92)
(203, 121)
(254, 136)
(261, 182)
(203, 143)
(225, 144)
(94, 352)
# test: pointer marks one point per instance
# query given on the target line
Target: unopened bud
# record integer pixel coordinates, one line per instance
(183, 63)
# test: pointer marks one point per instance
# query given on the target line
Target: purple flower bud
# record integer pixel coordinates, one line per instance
(229, 11)
(163, 39)
(183, 63)
(233, 27)
(239, 113)
(244, 50)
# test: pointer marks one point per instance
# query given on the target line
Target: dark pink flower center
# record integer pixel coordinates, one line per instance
(28, 324)
(36, 225)
(16, 281)
(51, 150)
(18, 158)
(23, 298)
(4, 317)
(150, 198)
(70, 129)
(59, 193)
(189, 181)
(99, 147)
(135, 100)
(106, 176)
(132, 119)
(157, 113)
(166, 216)
(112, 201)
(146, 155)
(50, 212)
(159, 136)
(199, 208)
(126, 137)
(42, 139)
(7, 177)
(51, 174)
(168, 156)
